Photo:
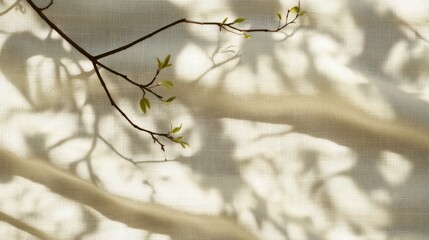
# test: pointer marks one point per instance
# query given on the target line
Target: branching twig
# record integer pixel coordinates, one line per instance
(144, 102)
(153, 134)
(226, 26)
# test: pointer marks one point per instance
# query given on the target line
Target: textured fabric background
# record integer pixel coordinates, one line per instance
(319, 132)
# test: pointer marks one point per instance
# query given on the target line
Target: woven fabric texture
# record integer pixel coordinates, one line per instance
(320, 131)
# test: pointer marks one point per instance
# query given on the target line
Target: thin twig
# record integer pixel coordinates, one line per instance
(75, 45)
(113, 103)
(24, 226)
(119, 49)
(114, 150)
(154, 78)
(225, 26)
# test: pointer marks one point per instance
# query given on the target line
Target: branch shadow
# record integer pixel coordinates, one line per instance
(216, 163)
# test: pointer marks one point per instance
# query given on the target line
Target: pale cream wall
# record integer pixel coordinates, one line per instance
(317, 133)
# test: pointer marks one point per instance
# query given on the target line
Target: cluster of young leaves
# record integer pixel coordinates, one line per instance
(225, 24)
(237, 20)
(165, 63)
(295, 9)
(178, 139)
(230, 26)
(145, 103)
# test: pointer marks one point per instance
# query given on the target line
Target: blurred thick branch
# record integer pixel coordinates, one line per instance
(24, 227)
(146, 216)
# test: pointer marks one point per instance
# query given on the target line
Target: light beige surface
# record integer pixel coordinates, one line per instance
(318, 133)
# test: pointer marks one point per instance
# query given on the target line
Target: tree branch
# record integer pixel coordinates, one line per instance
(39, 11)
(225, 26)
(96, 63)
(112, 101)
(116, 50)
(144, 102)
(139, 215)
(24, 227)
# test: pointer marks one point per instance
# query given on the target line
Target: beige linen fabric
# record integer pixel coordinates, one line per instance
(318, 132)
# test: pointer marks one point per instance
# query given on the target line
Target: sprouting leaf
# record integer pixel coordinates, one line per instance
(170, 99)
(224, 21)
(184, 144)
(167, 59)
(178, 139)
(147, 102)
(246, 35)
(165, 64)
(143, 105)
(176, 129)
(302, 13)
(238, 20)
(167, 84)
(295, 9)
(159, 63)
(279, 15)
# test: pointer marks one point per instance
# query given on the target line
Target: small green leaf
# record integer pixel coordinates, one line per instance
(176, 129)
(279, 15)
(178, 139)
(295, 9)
(164, 85)
(159, 63)
(302, 13)
(143, 105)
(147, 102)
(167, 84)
(238, 20)
(170, 99)
(170, 83)
(224, 21)
(165, 64)
(246, 35)
(184, 144)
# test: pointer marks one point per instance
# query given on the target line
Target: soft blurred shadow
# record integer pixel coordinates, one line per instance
(312, 137)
